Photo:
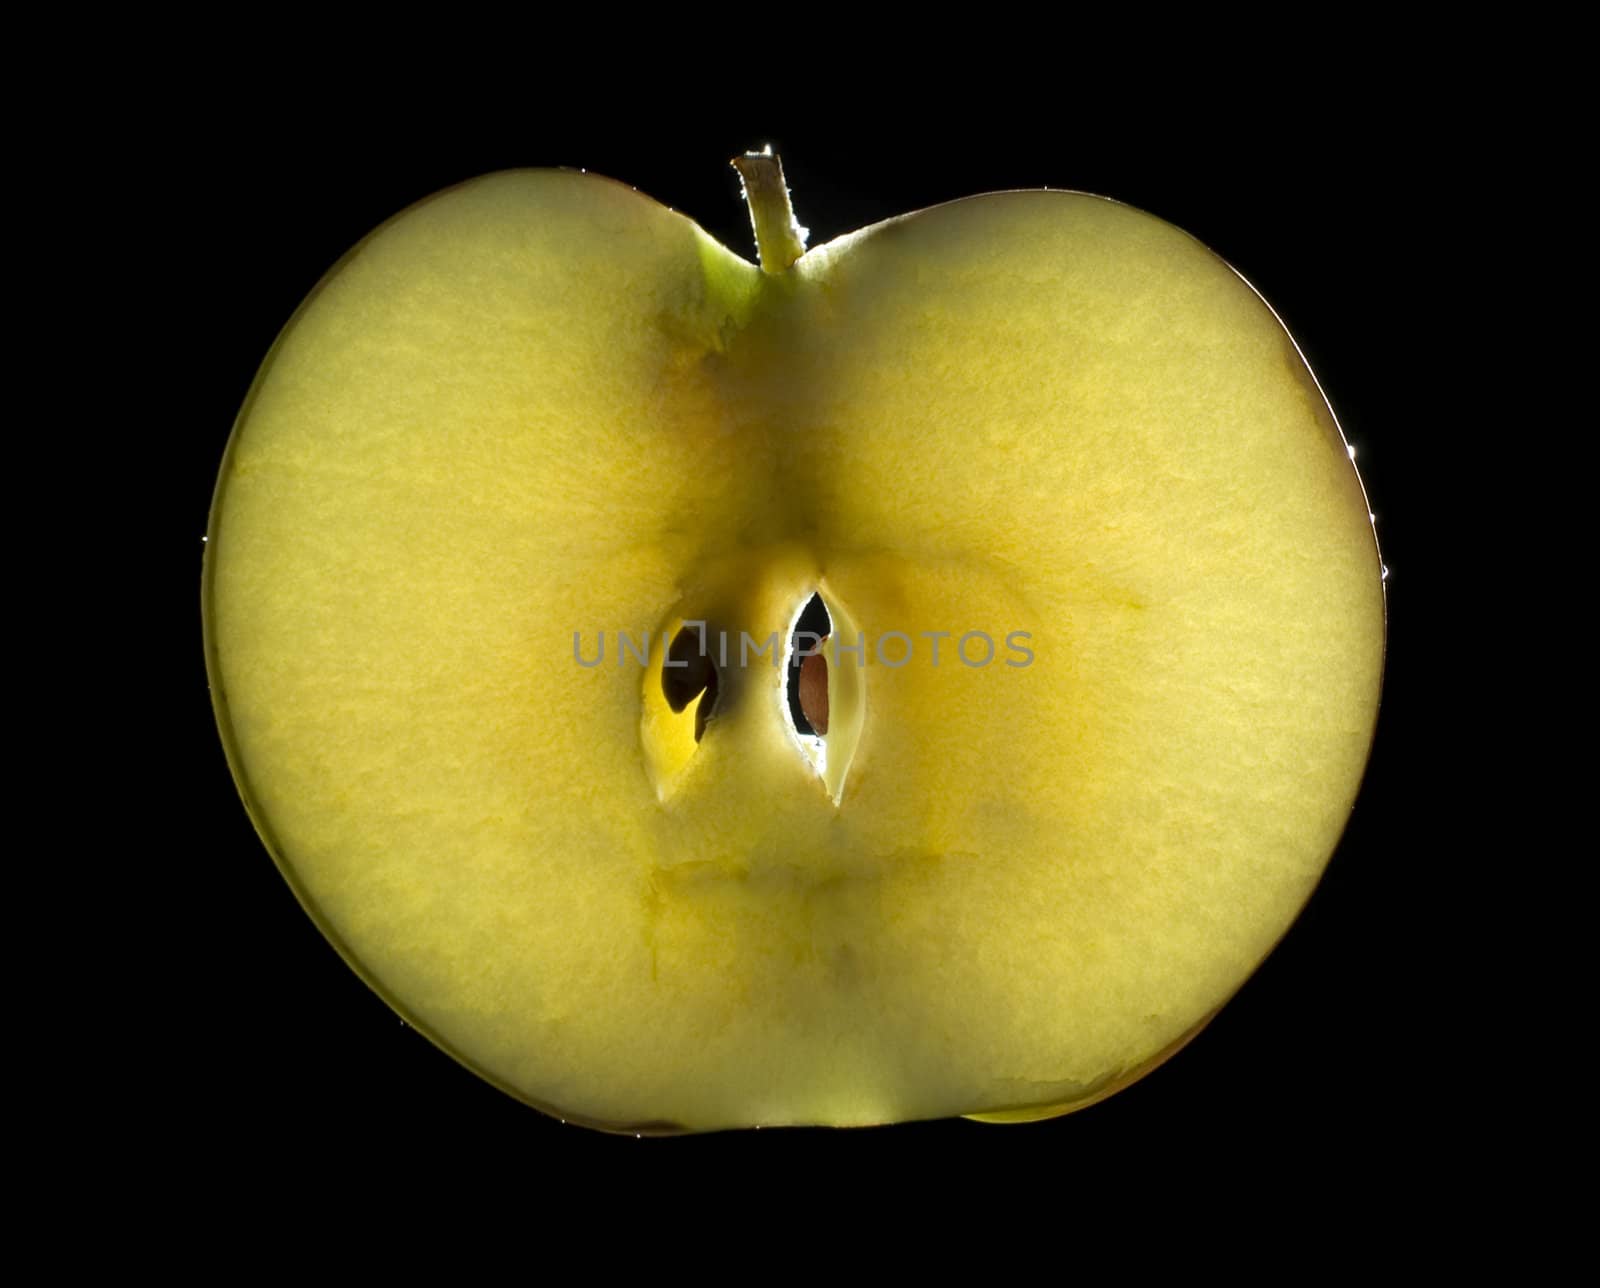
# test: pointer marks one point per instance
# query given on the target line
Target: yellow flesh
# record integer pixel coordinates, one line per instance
(540, 404)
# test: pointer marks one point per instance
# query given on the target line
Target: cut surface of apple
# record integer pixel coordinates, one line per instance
(1048, 439)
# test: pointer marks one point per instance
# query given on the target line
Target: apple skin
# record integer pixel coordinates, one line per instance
(261, 815)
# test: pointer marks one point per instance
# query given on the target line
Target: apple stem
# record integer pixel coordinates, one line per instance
(779, 238)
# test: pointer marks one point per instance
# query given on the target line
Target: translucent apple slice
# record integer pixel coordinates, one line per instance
(1049, 436)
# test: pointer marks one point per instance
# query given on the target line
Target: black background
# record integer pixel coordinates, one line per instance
(267, 1052)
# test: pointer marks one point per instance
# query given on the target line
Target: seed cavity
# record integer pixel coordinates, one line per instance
(689, 673)
(808, 669)
(825, 707)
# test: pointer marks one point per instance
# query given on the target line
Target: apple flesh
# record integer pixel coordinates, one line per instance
(540, 406)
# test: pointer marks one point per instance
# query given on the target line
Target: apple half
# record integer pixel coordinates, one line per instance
(1105, 629)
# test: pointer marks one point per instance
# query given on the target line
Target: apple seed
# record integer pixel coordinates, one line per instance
(814, 689)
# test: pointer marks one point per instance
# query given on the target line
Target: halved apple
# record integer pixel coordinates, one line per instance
(508, 560)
